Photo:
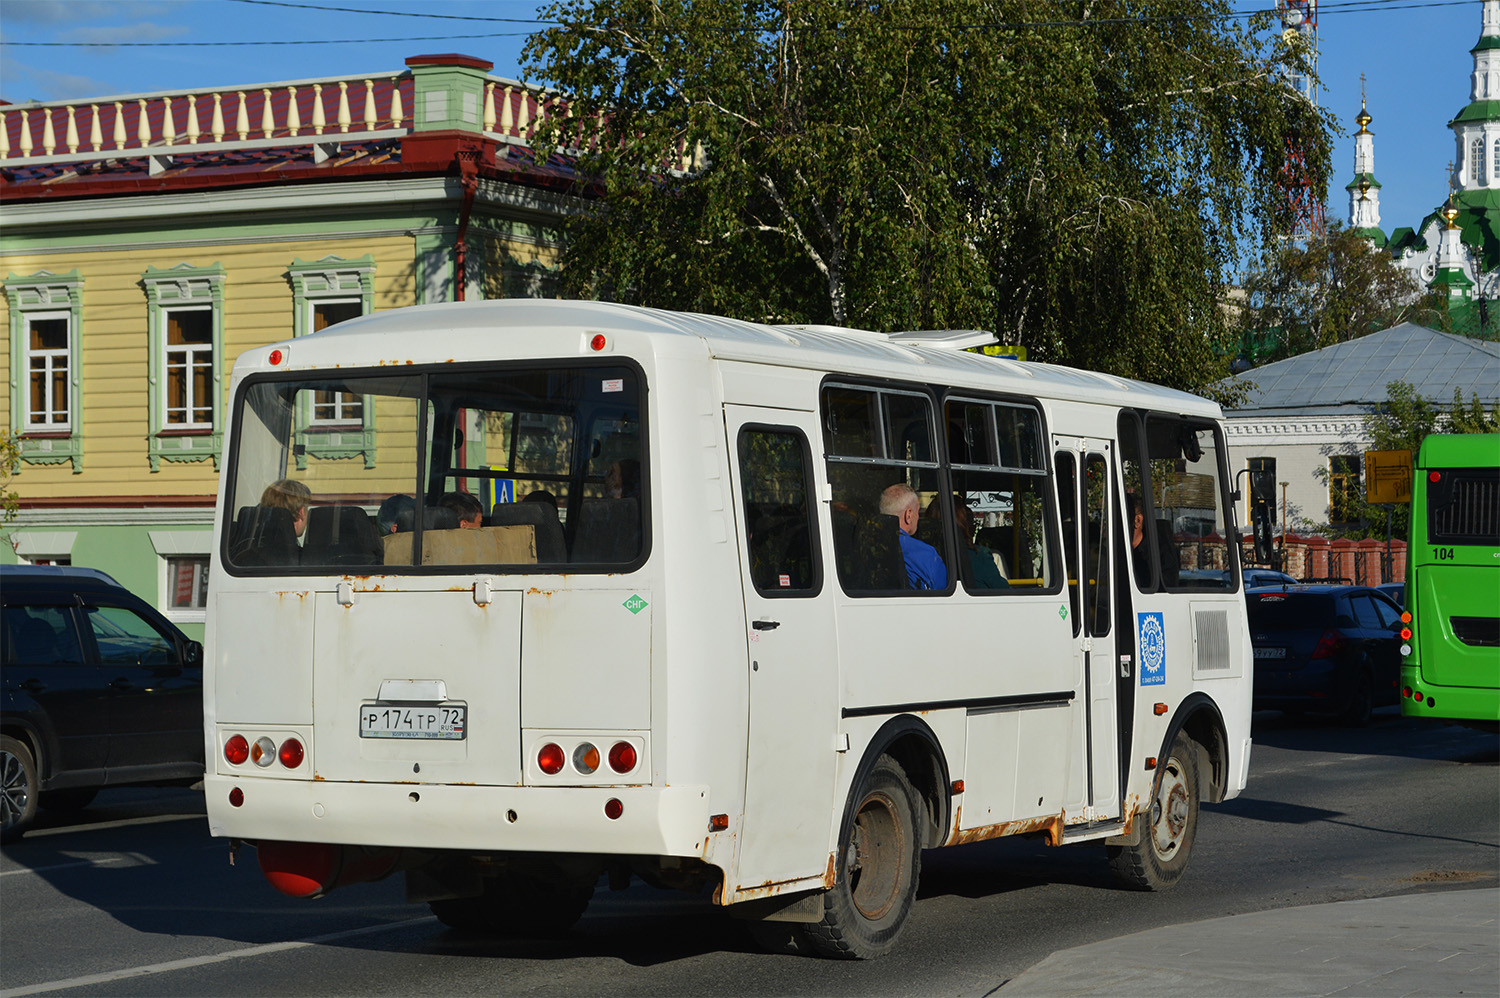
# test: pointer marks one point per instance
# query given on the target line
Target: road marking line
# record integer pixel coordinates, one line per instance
(153, 819)
(200, 961)
(61, 866)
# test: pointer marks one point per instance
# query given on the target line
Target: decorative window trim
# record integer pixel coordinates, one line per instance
(182, 285)
(1476, 160)
(332, 278)
(170, 544)
(27, 295)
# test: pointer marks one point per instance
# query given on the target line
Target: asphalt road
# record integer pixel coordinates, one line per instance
(133, 897)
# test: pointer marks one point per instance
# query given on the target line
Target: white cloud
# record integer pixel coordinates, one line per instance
(43, 12)
(47, 85)
(141, 32)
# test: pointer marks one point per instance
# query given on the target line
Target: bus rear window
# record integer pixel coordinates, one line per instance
(1463, 506)
(512, 469)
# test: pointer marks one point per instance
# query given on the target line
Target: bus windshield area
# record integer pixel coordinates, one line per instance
(529, 469)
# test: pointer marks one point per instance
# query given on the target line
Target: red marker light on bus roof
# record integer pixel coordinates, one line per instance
(598, 342)
(276, 357)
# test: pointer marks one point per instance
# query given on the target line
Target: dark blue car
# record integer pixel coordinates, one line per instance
(1328, 649)
(97, 689)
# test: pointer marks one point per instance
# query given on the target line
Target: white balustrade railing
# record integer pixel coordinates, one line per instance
(283, 114)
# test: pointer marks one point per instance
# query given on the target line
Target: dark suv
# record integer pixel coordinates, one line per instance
(97, 690)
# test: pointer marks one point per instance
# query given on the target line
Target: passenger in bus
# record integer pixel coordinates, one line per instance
(924, 566)
(982, 562)
(390, 516)
(470, 514)
(1166, 552)
(542, 495)
(294, 497)
(623, 480)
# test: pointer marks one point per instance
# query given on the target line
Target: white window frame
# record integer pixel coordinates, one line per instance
(189, 357)
(168, 290)
(45, 295)
(1476, 160)
(171, 544)
(332, 279)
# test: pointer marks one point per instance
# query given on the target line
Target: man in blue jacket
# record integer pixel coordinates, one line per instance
(924, 566)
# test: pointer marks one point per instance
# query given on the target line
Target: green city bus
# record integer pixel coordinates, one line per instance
(1451, 630)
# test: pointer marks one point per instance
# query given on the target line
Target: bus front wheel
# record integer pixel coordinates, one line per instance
(879, 861)
(1160, 856)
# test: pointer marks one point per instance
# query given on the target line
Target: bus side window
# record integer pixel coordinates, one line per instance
(878, 440)
(776, 481)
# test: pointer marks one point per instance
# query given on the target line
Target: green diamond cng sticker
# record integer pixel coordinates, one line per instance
(635, 604)
(1062, 611)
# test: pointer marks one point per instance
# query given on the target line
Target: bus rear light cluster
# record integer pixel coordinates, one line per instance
(1411, 694)
(263, 752)
(1406, 633)
(586, 758)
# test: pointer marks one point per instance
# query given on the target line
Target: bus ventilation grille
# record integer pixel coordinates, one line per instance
(1211, 630)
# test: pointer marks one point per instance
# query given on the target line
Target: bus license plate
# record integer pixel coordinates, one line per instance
(1270, 653)
(441, 721)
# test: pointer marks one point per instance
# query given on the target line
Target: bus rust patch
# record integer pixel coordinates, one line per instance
(1049, 825)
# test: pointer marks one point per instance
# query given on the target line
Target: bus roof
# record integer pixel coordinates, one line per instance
(404, 336)
(1460, 450)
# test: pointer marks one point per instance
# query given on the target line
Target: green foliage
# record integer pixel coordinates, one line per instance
(1335, 288)
(1402, 422)
(1077, 176)
(10, 463)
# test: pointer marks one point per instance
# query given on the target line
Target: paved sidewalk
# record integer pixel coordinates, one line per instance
(1445, 943)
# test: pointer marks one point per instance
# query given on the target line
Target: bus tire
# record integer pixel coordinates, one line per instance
(876, 872)
(18, 789)
(1160, 856)
(517, 904)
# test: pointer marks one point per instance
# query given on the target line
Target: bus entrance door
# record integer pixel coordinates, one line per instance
(793, 657)
(1085, 490)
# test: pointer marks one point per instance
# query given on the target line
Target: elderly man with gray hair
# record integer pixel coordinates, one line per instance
(924, 566)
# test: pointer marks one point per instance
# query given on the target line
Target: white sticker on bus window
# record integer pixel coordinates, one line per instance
(614, 384)
(785, 580)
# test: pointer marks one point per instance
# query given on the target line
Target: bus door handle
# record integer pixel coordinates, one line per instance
(765, 625)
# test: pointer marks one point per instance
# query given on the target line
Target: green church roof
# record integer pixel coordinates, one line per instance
(1480, 110)
(1369, 178)
(1373, 234)
(1486, 42)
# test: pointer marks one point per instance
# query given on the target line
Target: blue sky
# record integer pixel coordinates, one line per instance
(1414, 54)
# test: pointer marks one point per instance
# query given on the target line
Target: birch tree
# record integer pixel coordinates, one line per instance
(1080, 177)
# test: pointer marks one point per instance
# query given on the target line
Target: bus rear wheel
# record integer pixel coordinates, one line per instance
(1160, 857)
(517, 904)
(879, 862)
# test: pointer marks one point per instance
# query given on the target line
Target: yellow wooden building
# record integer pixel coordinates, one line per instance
(148, 239)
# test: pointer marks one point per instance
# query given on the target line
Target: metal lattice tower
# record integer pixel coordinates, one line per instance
(1304, 211)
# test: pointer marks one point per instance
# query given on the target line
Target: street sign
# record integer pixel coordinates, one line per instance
(1387, 476)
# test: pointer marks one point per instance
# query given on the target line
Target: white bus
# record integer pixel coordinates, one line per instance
(762, 610)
